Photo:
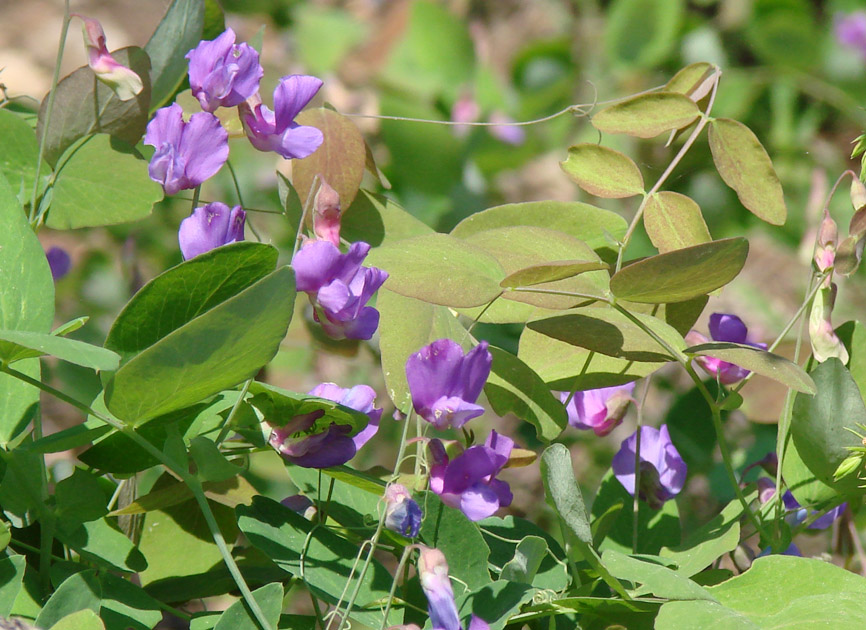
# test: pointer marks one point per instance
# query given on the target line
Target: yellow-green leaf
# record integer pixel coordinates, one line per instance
(603, 172)
(674, 221)
(647, 115)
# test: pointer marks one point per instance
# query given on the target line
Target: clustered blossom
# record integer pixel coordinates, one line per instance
(222, 73)
(601, 410)
(433, 574)
(210, 226)
(797, 513)
(445, 383)
(402, 514)
(333, 446)
(187, 153)
(125, 83)
(729, 328)
(662, 470)
(468, 481)
(339, 288)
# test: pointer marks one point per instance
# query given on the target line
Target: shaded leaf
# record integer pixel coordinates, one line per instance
(550, 272)
(656, 579)
(682, 274)
(377, 220)
(674, 221)
(647, 115)
(603, 172)
(641, 33)
(759, 361)
(79, 591)
(745, 166)
(179, 31)
(19, 152)
(25, 345)
(238, 617)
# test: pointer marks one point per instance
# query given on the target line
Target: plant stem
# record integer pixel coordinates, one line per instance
(308, 204)
(49, 109)
(227, 425)
(406, 553)
(635, 522)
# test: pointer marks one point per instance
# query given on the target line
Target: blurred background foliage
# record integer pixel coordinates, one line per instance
(785, 75)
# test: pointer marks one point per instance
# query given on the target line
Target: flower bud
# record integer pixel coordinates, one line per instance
(58, 261)
(858, 194)
(300, 504)
(828, 235)
(326, 214)
(125, 83)
(825, 342)
(848, 466)
(433, 574)
(402, 514)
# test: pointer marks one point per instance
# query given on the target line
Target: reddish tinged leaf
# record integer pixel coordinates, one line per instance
(603, 172)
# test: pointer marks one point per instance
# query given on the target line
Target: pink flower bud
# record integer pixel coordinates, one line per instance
(326, 214)
(125, 83)
(825, 342)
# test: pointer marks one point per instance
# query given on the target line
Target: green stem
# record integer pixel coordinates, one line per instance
(49, 109)
(406, 553)
(705, 118)
(241, 200)
(191, 482)
(635, 517)
(227, 425)
(308, 204)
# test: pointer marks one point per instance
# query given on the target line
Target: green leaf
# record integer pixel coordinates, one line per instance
(198, 342)
(101, 181)
(610, 332)
(853, 335)
(819, 423)
(80, 591)
(324, 36)
(405, 326)
(552, 574)
(19, 153)
(641, 33)
(11, 579)
(759, 361)
(278, 406)
(528, 555)
(84, 106)
(24, 345)
(550, 272)
(745, 166)
(238, 617)
(339, 161)
(655, 528)
(26, 303)
(514, 388)
(496, 601)
(564, 495)
(350, 505)
(82, 620)
(126, 606)
(80, 498)
(439, 269)
(377, 220)
(284, 536)
(448, 530)
(212, 465)
(584, 222)
(682, 274)
(776, 593)
(674, 221)
(603, 172)
(179, 31)
(647, 115)
(656, 579)
(707, 543)
(694, 80)
(101, 542)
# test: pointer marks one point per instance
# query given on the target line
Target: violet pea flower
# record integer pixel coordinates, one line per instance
(187, 153)
(222, 73)
(601, 410)
(209, 227)
(851, 30)
(445, 383)
(505, 129)
(339, 288)
(797, 513)
(468, 481)
(58, 261)
(433, 574)
(125, 83)
(277, 130)
(333, 446)
(402, 514)
(724, 327)
(662, 470)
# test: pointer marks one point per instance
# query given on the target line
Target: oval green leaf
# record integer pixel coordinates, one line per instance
(25, 345)
(610, 332)
(744, 165)
(760, 362)
(179, 31)
(101, 181)
(695, 80)
(674, 221)
(682, 274)
(340, 160)
(603, 172)
(550, 272)
(647, 115)
(439, 269)
(18, 154)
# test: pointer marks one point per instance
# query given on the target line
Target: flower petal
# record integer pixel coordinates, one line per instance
(292, 95)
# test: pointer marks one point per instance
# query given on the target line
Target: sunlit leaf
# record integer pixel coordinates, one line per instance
(758, 361)
(603, 172)
(674, 221)
(647, 115)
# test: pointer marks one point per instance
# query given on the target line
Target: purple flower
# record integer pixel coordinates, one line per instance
(210, 226)
(468, 481)
(402, 514)
(125, 83)
(58, 261)
(851, 30)
(277, 130)
(505, 129)
(798, 514)
(339, 288)
(333, 446)
(792, 550)
(445, 384)
(662, 470)
(222, 73)
(186, 153)
(300, 504)
(433, 574)
(465, 110)
(598, 409)
(724, 327)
